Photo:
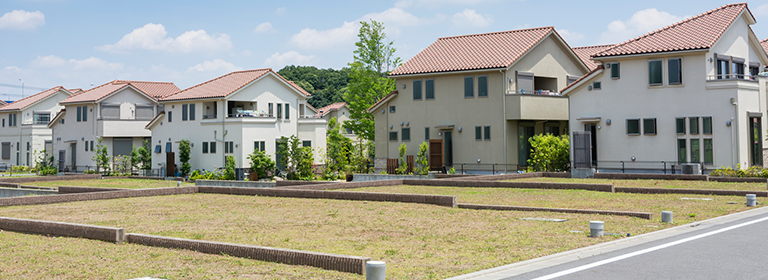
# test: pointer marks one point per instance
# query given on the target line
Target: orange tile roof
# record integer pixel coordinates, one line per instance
(586, 52)
(75, 90)
(472, 52)
(764, 43)
(3, 103)
(225, 85)
(334, 106)
(29, 100)
(153, 89)
(695, 33)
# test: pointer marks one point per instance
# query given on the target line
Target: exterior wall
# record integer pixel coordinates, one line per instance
(27, 131)
(242, 131)
(548, 59)
(81, 133)
(631, 97)
(341, 115)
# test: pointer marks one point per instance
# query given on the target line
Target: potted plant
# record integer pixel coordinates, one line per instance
(348, 172)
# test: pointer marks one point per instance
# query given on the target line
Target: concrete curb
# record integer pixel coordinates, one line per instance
(109, 234)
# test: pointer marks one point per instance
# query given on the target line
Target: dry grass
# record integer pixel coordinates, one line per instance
(671, 184)
(120, 183)
(685, 210)
(417, 241)
(39, 257)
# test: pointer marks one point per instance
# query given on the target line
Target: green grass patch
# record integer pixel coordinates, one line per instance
(669, 184)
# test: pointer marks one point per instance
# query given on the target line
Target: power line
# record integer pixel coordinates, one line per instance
(25, 86)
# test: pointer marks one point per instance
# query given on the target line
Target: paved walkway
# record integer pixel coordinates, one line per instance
(727, 247)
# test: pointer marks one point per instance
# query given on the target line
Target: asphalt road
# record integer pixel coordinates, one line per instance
(731, 247)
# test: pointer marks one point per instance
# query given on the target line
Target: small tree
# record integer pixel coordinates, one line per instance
(422, 164)
(184, 148)
(101, 158)
(402, 166)
(338, 147)
(120, 164)
(261, 164)
(304, 168)
(549, 153)
(229, 168)
(144, 156)
(294, 158)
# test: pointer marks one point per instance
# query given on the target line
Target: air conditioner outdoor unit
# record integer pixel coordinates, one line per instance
(691, 168)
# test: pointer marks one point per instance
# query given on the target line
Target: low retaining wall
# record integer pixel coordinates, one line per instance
(345, 185)
(235, 184)
(64, 198)
(642, 215)
(441, 200)
(71, 189)
(294, 257)
(738, 179)
(523, 185)
(15, 192)
(288, 183)
(452, 176)
(384, 177)
(688, 191)
(628, 176)
(158, 178)
(51, 178)
(109, 234)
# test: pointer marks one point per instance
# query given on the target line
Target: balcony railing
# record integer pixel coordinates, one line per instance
(208, 117)
(536, 92)
(310, 117)
(35, 122)
(725, 77)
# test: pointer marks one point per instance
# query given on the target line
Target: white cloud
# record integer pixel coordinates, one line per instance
(761, 10)
(153, 37)
(264, 28)
(470, 17)
(570, 37)
(310, 38)
(12, 69)
(392, 16)
(280, 11)
(20, 19)
(48, 61)
(95, 63)
(438, 3)
(278, 61)
(217, 65)
(640, 23)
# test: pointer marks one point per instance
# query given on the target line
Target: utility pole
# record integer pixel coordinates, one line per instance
(22, 88)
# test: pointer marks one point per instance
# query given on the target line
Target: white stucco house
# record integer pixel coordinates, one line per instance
(340, 111)
(23, 129)
(688, 93)
(115, 112)
(233, 115)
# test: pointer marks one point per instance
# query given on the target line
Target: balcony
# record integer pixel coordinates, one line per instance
(733, 81)
(122, 128)
(549, 106)
(36, 122)
(732, 77)
(248, 114)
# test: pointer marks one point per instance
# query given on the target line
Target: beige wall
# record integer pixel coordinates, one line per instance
(548, 59)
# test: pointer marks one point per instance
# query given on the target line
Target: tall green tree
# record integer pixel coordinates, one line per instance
(373, 60)
(184, 151)
(327, 86)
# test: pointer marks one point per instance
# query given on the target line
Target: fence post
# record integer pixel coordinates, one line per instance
(462, 169)
(622, 166)
(664, 166)
(493, 169)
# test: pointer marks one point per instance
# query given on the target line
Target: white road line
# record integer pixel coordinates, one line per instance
(637, 253)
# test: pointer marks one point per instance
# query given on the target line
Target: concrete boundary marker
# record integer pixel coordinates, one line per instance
(63, 198)
(109, 234)
(341, 263)
(525, 185)
(642, 215)
(688, 191)
(441, 200)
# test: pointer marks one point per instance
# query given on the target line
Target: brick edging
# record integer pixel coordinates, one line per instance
(688, 191)
(342, 263)
(345, 185)
(525, 185)
(74, 189)
(441, 200)
(738, 179)
(640, 176)
(642, 215)
(155, 178)
(50, 178)
(109, 234)
(64, 198)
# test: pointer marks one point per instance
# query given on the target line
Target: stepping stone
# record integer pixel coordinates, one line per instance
(544, 220)
(695, 198)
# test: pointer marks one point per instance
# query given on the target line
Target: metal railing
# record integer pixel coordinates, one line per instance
(535, 92)
(494, 168)
(207, 117)
(37, 122)
(725, 77)
(310, 117)
(250, 116)
(666, 167)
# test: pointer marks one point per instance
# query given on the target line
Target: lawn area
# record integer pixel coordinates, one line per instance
(417, 241)
(671, 184)
(120, 183)
(582, 199)
(27, 256)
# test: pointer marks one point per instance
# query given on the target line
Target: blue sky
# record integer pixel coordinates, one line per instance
(78, 43)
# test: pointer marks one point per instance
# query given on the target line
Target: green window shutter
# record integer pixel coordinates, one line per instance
(406, 134)
(478, 133)
(79, 116)
(615, 70)
(469, 87)
(192, 112)
(212, 147)
(482, 86)
(417, 90)
(430, 87)
(487, 132)
(184, 112)
(205, 147)
(85, 115)
(426, 133)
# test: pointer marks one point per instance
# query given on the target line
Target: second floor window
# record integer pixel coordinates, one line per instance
(615, 73)
(430, 89)
(654, 72)
(482, 86)
(417, 90)
(675, 71)
(469, 87)
(184, 112)
(42, 118)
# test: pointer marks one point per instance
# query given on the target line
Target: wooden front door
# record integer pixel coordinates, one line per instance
(435, 154)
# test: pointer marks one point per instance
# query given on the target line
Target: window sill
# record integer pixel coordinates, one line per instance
(634, 134)
(484, 96)
(651, 134)
(468, 97)
(430, 99)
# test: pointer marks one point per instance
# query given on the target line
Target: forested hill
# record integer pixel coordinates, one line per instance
(327, 86)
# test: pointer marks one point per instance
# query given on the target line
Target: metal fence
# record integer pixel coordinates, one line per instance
(666, 167)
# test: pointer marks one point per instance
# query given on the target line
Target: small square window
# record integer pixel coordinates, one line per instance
(406, 134)
(633, 126)
(391, 109)
(614, 70)
(426, 133)
(158, 149)
(597, 85)
(487, 133)
(649, 126)
(393, 136)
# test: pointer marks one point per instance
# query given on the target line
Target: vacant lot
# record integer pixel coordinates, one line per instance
(417, 241)
(28, 256)
(672, 184)
(120, 183)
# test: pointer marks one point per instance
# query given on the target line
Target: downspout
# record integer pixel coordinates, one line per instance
(21, 130)
(504, 127)
(735, 122)
(223, 130)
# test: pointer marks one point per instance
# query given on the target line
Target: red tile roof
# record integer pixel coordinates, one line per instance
(695, 33)
(586, 52)
(334, 106)
(75, 90)
(32, 99)
(471, 52)
(225, 85)
(764, 43)
(3, 103)
(153, 89)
